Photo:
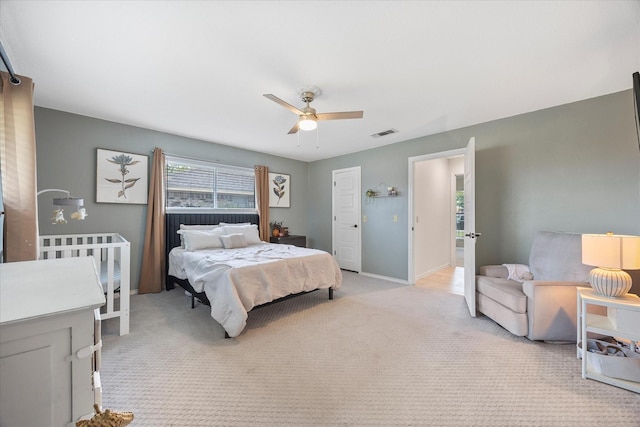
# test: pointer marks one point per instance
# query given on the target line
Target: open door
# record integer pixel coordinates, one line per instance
(470, 234)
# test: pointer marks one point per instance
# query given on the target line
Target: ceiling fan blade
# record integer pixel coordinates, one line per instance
(294, 129)
(342, 115)
(283, 103)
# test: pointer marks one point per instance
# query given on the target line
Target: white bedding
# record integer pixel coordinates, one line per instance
(236, 280)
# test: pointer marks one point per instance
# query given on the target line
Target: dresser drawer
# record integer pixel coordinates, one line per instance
(291, 240)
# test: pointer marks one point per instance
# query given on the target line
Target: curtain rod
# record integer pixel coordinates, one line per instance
(14, 79)
(180, 156)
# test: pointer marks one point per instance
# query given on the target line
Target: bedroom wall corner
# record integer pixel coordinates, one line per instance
(535, 171)
(66, 147)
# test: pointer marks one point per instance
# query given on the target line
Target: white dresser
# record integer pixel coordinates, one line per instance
(49, 335)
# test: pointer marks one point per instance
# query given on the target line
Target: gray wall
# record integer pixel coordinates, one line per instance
(66, 158)
(574, 168)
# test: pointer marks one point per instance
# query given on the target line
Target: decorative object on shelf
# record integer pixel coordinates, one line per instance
(121, 177)
(611, 253)
(614, 359)
(276, 228)
(62, 202)
(279, 196)
(388, 191)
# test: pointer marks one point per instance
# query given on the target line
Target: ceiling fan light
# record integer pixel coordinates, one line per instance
(308, 124)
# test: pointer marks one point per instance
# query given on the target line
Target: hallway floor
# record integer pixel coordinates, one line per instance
(450, 279)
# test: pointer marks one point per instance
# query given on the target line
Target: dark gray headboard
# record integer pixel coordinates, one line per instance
(173, 221)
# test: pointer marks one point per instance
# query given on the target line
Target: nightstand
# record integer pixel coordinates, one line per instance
(290, 240)
(622, 319)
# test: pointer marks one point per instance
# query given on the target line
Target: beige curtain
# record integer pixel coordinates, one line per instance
(18, 163)
(262, 198)
(152, 273)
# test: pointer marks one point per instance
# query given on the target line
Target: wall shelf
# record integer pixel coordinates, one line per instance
(377, 194)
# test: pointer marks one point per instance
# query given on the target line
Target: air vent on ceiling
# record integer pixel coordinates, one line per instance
(384, 133)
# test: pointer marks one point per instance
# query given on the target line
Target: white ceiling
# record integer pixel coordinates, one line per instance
(199, 68)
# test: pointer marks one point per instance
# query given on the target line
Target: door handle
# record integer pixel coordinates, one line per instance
(473, 235)
(355, 225)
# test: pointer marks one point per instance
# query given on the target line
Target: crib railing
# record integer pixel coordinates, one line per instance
(111, 254)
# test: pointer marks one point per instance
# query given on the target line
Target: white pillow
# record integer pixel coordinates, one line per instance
(250, 232)
(232, 241)
(234, 223)
(194, 227)
(199, 227)
(202, 239)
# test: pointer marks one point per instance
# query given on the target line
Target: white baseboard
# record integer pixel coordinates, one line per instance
(433, 270)
(131, 292)
(390, 279)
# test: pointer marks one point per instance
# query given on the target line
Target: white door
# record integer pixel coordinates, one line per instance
(346, 218)
(470, 234)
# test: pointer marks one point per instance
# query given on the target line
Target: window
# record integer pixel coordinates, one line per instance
(194, 184)
(460, 206)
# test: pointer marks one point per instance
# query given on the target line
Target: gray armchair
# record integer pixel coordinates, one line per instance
(545, 307)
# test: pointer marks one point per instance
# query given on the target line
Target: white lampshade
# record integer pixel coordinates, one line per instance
(308, 124)
(611, 253)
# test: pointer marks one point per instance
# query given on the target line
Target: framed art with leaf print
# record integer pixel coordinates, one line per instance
(121, 177)
(279, 190)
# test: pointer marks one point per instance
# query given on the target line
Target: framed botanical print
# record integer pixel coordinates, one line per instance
(121, 177)
(279, 191)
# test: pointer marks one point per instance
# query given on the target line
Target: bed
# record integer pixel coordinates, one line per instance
(232, 271)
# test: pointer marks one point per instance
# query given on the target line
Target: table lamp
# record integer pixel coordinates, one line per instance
(611, 253)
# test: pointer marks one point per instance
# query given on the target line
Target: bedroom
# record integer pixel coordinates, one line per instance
(534, 167)
(511, 153)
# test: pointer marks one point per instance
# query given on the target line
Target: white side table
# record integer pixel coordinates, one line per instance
(622, 320)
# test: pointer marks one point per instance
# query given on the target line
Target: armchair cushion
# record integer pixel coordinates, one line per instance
(505, 291)
(494, 271)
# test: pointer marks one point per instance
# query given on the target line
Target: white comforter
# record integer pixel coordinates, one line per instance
(236, 280)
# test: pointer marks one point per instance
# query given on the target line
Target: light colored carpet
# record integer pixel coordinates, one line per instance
(379, 354)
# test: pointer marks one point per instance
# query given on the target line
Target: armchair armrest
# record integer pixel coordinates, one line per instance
(552, 309)
(499, 271)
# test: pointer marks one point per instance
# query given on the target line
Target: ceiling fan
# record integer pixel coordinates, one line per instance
(308, 116)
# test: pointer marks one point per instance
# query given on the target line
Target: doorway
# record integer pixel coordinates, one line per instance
(470, 235)
(436, 218)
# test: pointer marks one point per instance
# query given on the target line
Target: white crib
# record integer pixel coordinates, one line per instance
(111, 255)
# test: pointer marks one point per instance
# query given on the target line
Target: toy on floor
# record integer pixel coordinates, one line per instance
(108, 418)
